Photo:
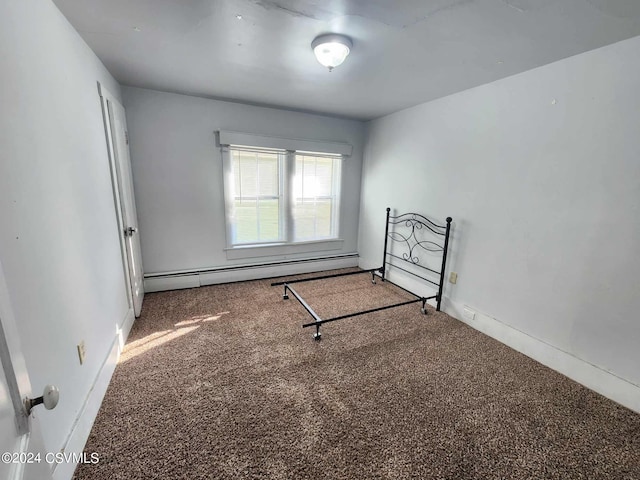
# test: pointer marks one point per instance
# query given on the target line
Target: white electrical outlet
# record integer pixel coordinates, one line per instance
(468, 314)
(81, 352)
(453, 277)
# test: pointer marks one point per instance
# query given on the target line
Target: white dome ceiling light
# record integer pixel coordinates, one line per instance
(331, 49)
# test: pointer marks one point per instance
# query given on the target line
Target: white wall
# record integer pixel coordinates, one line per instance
(541, 174)
(59, 238)
(177, 172)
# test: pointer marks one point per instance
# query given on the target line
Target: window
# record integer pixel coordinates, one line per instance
(315, 195)
(257, 196)
(281, 197)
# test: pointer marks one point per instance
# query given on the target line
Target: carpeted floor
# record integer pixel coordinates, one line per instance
(222, 382)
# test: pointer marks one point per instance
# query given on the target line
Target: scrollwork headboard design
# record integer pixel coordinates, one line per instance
(402, 231)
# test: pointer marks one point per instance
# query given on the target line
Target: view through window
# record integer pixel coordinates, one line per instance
(283, 196)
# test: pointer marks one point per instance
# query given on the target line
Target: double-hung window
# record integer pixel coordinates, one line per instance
(258, 207)
(281, 197)
(316, 188)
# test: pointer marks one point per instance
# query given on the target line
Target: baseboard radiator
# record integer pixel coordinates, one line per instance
(157, 282)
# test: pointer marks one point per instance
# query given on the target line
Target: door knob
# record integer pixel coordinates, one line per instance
(49, 398)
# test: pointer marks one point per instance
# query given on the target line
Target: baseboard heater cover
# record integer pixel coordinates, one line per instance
(155, 282)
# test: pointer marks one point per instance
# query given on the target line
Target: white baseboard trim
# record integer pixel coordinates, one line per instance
(173, 281)
(81, 428)
(591, 376)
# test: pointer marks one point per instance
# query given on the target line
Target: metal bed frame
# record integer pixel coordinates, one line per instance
(404, 229)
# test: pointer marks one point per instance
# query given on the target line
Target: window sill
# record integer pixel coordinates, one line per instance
(252, 251)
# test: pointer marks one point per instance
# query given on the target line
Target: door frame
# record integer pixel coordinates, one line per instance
(105, 97)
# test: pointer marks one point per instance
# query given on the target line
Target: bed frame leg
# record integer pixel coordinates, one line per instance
(373, 278)
(317, 336)
(423, 310)
(285, 296)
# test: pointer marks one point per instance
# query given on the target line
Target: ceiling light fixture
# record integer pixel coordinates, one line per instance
(331, 49)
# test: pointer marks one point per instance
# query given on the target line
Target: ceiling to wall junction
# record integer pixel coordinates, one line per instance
(405, 52)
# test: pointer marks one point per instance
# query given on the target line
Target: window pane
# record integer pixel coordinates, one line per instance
(268, 223)
(315, 187)
(257, 197)
(323, 217)
(304, 224)
(248, 175)
(324, 177)
(268, 183)
(246, 221)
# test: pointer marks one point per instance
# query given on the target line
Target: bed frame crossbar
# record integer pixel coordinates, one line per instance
(413, 222)
(289, 282)
(419, 266)
(306, 306)
(317, 323)
(418, 276)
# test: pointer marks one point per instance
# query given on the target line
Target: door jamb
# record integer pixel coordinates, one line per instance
(106, 96)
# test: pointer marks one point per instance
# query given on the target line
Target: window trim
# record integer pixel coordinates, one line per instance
(229, 137)
(274, 249)
(288, 246)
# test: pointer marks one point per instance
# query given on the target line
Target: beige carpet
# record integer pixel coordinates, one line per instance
(222, 382)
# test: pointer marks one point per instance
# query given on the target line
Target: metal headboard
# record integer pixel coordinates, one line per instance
(404, 232)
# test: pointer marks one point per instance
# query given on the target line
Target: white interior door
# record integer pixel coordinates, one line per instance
(21, 445)
(118, 142)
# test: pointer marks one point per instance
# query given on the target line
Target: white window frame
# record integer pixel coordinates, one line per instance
(337, 172)
(230, 195)
(288, 246)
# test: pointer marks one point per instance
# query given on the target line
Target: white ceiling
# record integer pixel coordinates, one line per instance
(405, 51)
